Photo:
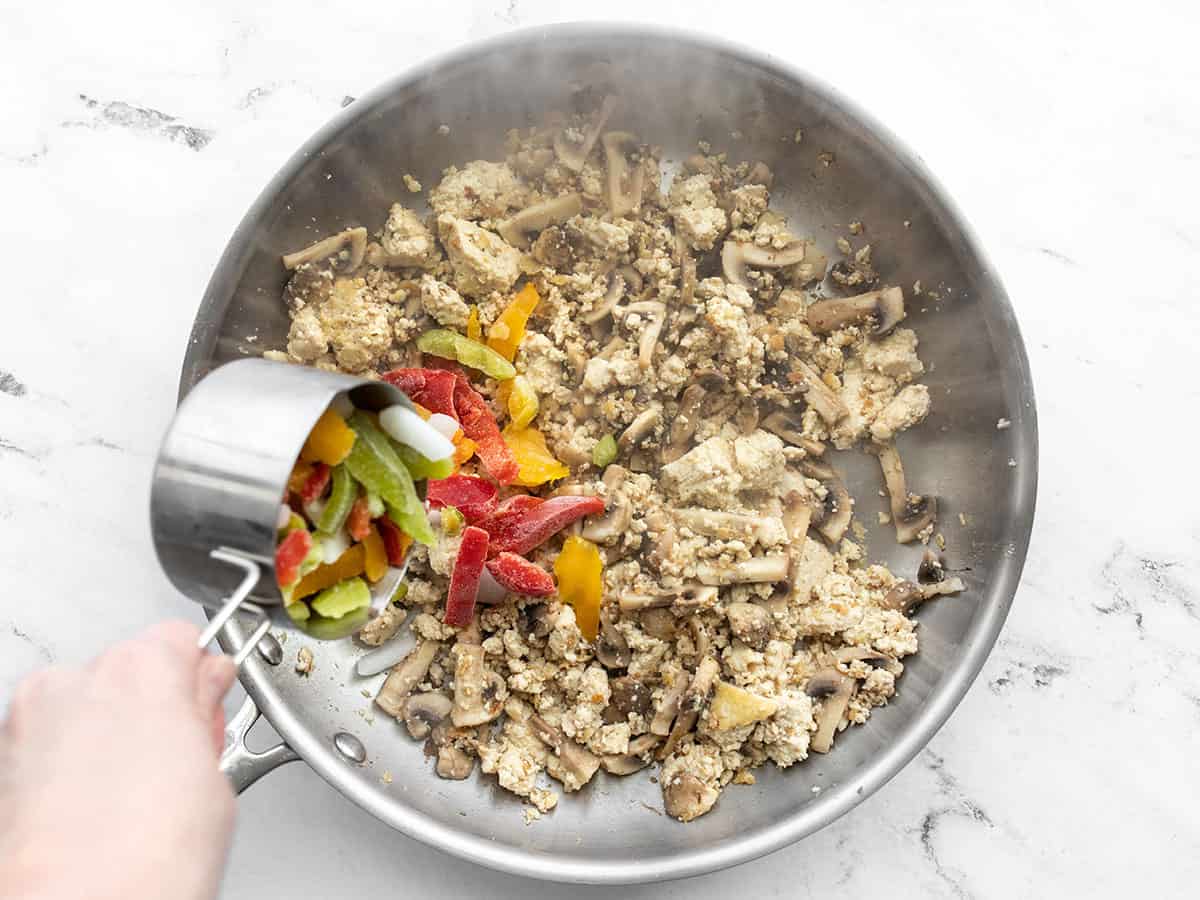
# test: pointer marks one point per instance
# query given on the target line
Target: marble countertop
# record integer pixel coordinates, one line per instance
(137, 133)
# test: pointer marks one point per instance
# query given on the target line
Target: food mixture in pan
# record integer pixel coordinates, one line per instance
(639, 551)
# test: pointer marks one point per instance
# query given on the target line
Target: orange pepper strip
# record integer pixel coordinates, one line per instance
(422, 411)
(509, 328)
(464, 448)
(349, 564)
(329, 441)
(299, 477)
(579, 570)
(375, 563)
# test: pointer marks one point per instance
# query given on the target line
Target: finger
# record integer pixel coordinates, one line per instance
(217, 727)
(213, 681)
(179, 652)
(178, 635)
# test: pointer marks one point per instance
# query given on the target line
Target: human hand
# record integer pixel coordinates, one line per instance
(108, 775)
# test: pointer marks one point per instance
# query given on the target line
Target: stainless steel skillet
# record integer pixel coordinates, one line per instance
(676, 89)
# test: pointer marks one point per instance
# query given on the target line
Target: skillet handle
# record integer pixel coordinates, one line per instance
(242, 765)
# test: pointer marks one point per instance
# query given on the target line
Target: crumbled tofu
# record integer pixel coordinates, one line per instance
(707, 474)
(407, 241)
(443, 303)
(697, 214)
(482, 261)
(479, 190)
(894, 355)
(906, 409)
(304, 661)
(414, 186)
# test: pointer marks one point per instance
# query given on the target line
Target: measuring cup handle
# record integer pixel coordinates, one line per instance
(241, 764)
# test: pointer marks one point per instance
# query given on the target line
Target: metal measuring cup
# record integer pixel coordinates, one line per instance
(221, 476)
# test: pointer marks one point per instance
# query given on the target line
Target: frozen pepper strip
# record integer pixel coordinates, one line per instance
(480, 426)
(375, 565)
(509, 328)
(580, 582)
(520, 576)
(464, 577)
(535, 463)
(521, 533)
(451, 345)
(316, 482)
(329, 441)
(431, 388)
(342, 599)
(341, 499)
(347, 565)
(373, 461)
(395, 541)
(290, 554)
(474, 497)
(358, 523)
(420, 467)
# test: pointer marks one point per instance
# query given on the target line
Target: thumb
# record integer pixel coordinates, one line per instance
(213, 680)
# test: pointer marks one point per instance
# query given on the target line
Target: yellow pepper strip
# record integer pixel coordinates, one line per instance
(474, 329)
(329, 441)
(422, 411)
(349, 564)
(299, 477)
(536, 463)
(509, 328)
(464, 448)
(579, 570)
(521, 400)
(375, 561)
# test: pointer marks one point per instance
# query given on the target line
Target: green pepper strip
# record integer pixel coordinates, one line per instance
(341, 498)
(452, 345)
(604, 452)
(422, 467)
(374, 462)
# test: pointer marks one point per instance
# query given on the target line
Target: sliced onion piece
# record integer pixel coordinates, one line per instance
(491, 591)
(285, 516)
(445, 425)
(405, 426)
(342, 405)
(383, 658)
(334, 545)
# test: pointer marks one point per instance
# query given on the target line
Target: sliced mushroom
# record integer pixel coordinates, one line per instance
(687, 274)
(477, 691)
(612, 649)
(869, 655)
(659, 623)
(750, 624)
(931, 570)
(640, 428)
(686, 420)
(535, 620)
(580, 763)
(516, 229)
(627, 694)
(686, 797)
(756, 570)
(812, 448)
(623, 187)
(905, 596)
(607, 305)
(636, 758)
(353, 238)
(725, 526)
(885, 307)
(668, 707)
(453, 763)
(911, 513)
(573, 156)
(648, 342)
(786, 424)
(690, 704)
(736, 256)
(423, 711)
(837, 509)
(699, 635)
(688, 597)
(835, 690)
(616, 520)
(747, 417)
(406, 676)
(818, 394)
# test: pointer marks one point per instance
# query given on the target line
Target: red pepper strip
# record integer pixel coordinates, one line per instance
(474, 497)
(521, 533)
(464, 577)
(358, 523)
(432, 388)
(479, 425)
(442, 364)
(395, 541)
(508, 511)
(289, 554)
(520, 576)
(317, 482)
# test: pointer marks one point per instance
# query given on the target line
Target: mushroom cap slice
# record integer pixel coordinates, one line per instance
(623, 188)
(637, 757)
(736, 256)
(785, 424)
(755, 570)
(353, 238)
(668, 707)
(885, 307)
(453, 763)
(575, 156)
(835, 689)
(478, 692)
(578, 762)
(640, 428)
(517, 228)
(686, 797)
(423, 711)
(611, 648)
(733, 707)
(833, 517)
(406, 676)
(818, 394)
(627, 694)
(911, 513)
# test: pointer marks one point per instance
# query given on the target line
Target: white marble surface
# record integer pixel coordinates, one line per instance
(137, 133)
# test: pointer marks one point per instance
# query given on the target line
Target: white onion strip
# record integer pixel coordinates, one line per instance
(407, 427)
(383, 658)
(446, 426)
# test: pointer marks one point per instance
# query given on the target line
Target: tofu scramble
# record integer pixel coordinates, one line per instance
(687, 359)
